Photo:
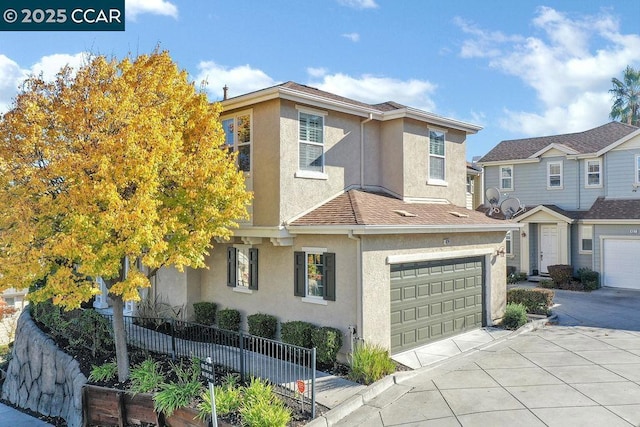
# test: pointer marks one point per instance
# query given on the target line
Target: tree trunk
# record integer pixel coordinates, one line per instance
(120, 338)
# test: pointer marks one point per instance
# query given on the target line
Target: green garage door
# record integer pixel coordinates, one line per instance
(434, 299)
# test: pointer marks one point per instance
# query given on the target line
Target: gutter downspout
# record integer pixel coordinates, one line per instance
(357, 331)
(362, 148)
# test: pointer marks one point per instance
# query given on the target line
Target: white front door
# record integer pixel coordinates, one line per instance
(548, 247)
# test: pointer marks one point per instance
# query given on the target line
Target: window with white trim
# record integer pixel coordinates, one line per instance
(506, 177)
(436, 155)
(470, 186)
(508, 243)
(593, 173)
(311, 141)
(638, 169)
(315, 274)
(238, 137)
(586, 238)
(554, 175)
(242, 267)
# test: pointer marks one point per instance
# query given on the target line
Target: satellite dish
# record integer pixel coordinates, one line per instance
(511, 207)
(493, 197)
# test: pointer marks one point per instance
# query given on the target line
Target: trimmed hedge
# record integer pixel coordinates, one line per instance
(536, 301)
(205, 312)
(229, 319)
(590, 279)
(327, 342)
(263, 325)
(297, 333)
(561, 274)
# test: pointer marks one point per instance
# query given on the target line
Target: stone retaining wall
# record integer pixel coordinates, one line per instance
(41, 377)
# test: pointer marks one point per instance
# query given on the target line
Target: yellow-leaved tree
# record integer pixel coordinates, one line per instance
(114, 161)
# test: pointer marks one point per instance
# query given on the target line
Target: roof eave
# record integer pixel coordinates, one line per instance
(508, 162)
(401, 229)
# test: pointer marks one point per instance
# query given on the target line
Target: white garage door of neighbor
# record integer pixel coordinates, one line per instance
(621, 263)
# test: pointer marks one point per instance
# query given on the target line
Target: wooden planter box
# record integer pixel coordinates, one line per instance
(112, 407)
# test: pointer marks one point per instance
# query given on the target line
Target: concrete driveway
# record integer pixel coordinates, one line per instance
(585, 371)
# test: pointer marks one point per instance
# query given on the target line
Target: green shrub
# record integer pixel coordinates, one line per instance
(327, 342)
(536, 301)
(146, 377)
(589, 278)
(229, 319)
(181, 393)
(263, 325)
(514, 316)
(546, 284)
(104, 372)
(516, 277)
(261, 407)
(561, 274)
(369, 363)
(228, 396)
(297, 333)
(205, 312)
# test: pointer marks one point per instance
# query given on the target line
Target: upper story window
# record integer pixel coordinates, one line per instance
(238, 136)
(554, 175)
(506, 177)
(586, 239)
(593, 173)
(311, 141)
(470, 185)
(436, 155)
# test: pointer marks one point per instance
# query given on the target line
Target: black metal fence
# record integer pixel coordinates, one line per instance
(290, 367)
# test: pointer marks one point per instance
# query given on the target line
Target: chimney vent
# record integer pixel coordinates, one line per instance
(225, 89)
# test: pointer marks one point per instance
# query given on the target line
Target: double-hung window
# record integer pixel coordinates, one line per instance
(593, 173)
(586, 238)
(554, 175)
(242, 267)
(506, 177)
(311, 141)
(508, 243)
(436, 156)
(315, 274)
(238, 137)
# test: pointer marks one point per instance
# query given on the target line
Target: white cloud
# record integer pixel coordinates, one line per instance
(11, 75)
(50, 65)
(359, 4)
(371, 89)
(239, 80)
(133, 8)
(569, 64)
(316, 72)
(354, 37)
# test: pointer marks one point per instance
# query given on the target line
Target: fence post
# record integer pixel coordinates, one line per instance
(313, 383)
(173, 339)
(242, 373)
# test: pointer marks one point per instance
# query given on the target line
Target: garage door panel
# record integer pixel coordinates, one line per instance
(438, 299)
(620, 263)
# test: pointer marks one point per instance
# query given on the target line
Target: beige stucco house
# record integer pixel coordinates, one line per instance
(359, 222)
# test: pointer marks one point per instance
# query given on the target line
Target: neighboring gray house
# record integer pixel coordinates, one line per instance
(358, 222)
(581, 199)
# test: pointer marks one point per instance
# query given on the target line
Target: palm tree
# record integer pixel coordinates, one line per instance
(626, 97)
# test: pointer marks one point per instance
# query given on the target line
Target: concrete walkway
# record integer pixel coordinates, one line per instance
(553, 376)
(12, 417)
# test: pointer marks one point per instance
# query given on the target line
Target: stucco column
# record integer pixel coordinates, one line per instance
(525, 243)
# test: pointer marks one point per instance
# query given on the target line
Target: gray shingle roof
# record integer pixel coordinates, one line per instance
(589, 141)
(614, 209)
(358, 207)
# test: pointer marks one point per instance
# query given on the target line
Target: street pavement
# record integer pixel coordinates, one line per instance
(582, 371)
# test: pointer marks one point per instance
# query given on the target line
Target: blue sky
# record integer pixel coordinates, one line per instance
(518, 68)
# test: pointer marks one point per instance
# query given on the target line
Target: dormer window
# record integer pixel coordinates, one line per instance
(436, 156)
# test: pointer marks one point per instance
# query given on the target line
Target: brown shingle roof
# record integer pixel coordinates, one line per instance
(614, 209)
(589, 141)
(385, 106)
(358, 207)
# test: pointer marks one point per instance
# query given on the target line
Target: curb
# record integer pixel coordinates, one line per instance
(360, 399)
